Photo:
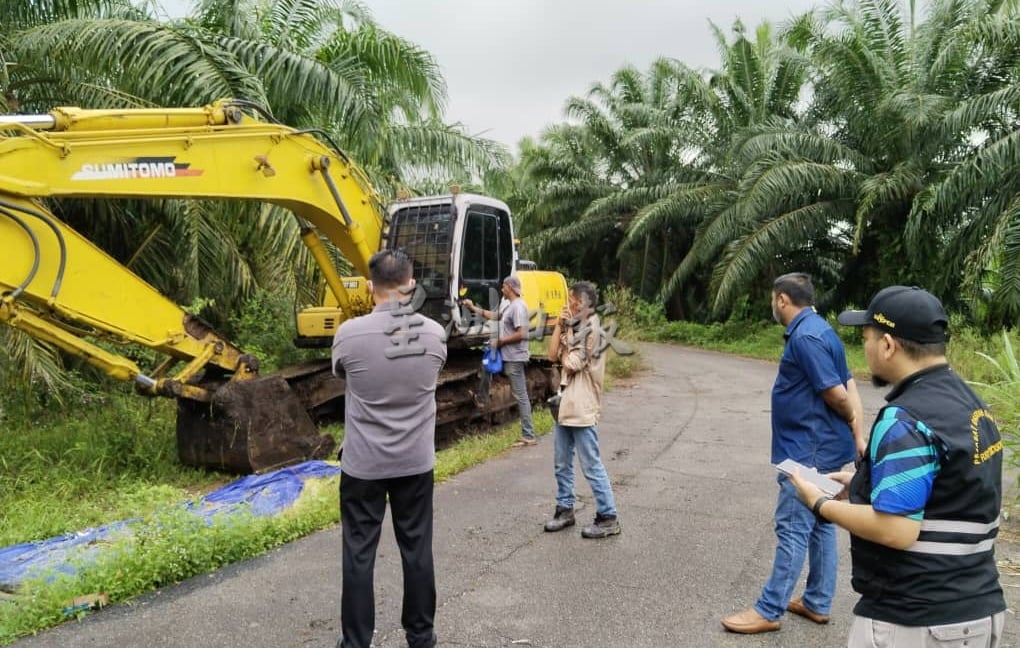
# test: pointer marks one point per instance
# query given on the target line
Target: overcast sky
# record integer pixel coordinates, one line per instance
(510, 65)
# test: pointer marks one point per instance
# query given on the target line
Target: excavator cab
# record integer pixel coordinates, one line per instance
(461, 246)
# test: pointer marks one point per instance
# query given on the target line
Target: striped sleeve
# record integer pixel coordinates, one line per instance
(904, 464)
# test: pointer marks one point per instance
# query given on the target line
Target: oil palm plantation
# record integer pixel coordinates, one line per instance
(311, 63)
(627, 149)
(875, 178)
(654, 162)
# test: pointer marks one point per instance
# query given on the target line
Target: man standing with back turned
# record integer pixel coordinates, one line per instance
(391, 360)
(816, 421)
(923, 509)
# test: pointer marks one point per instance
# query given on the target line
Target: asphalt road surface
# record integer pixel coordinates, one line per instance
(687, 447)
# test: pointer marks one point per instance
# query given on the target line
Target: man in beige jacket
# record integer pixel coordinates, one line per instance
(577, 344)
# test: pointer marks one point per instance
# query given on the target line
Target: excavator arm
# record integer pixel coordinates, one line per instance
(59, 287)
(55, 276)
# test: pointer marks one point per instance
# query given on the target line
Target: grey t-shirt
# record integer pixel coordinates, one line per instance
(391, 359)
(513, 316)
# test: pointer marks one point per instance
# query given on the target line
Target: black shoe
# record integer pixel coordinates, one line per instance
(560, 520)
(603, 527)
(431, 643)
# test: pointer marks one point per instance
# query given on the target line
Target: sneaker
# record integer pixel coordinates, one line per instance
(560, 520)
(524, 442)
(603, 527)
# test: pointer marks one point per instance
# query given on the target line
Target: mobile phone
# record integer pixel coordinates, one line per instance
(830, 487)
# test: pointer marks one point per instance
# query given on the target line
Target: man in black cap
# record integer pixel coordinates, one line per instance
(923, 506)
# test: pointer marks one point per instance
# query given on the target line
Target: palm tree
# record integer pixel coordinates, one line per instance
(311, 63)
(968, 220)
(662, 162)
(886, 120)
(561, 177)
(628, 148)
(755, 91)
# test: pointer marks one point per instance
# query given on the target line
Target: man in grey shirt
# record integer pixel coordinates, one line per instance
(391, 360)
(512, 342)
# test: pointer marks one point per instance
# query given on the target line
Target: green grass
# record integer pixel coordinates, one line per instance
(108, 459)
(90, 471)
(165, 547)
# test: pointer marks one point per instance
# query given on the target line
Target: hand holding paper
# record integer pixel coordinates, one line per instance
(828, 486)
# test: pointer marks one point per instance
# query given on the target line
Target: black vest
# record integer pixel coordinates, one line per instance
(949, 574)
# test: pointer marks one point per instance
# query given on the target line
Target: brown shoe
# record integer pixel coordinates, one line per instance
(523, 443)
(797, 607)
(749, 622)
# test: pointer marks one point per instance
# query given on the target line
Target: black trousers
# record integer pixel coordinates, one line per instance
(362, 508)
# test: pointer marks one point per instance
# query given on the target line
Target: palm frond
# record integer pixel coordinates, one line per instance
(680, 206)
(898, 185)
(749, 254)
(24, 361)
(391, 63)
(152, 62)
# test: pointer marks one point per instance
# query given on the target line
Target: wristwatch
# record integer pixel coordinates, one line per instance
(817, 508)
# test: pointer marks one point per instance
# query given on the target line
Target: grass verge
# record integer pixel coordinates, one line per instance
(169, 545)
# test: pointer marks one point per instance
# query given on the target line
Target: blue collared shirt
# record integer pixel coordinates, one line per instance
(803, 427)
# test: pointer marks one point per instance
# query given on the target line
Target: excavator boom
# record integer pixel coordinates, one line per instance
(58, 286)
(213, 152)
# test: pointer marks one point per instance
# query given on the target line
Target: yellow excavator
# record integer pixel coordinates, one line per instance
(59, 287)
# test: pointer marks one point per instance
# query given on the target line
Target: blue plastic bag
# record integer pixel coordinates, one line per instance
(492, 360)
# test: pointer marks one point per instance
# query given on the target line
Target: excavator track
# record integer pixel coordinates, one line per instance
(271, 421)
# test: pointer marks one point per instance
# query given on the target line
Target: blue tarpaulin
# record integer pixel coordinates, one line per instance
(265, 494)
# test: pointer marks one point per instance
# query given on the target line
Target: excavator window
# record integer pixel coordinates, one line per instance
(424, 233)
(488, 253)
(481, 247)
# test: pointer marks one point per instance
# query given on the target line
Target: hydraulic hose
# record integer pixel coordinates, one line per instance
(35, 250)
(56, 232)
(261, 110)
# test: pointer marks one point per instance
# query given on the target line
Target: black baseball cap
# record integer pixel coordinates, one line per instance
(905, 312)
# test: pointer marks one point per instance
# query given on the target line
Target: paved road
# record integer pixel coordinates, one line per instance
(687, 448)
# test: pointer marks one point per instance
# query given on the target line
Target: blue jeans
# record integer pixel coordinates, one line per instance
(519, 387)
(798, 532)
(586, 440)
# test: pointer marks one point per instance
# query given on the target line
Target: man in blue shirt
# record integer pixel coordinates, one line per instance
(816, 421)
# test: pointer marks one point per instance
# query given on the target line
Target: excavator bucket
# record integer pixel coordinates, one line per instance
(249, 426)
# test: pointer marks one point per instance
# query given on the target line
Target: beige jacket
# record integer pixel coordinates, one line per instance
(584, 367)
